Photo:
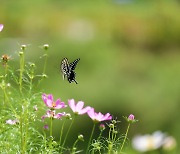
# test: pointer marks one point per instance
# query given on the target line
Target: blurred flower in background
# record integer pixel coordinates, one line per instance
(12, 122)
(79, 30)
(144, 143)
(1, 27)
(169, 143)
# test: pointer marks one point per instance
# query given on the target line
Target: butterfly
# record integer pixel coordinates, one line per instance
(67, 69)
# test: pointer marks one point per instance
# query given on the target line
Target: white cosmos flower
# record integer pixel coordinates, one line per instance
(148, 142)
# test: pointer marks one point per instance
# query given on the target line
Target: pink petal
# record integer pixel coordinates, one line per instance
(44, 98)
(85, 110)
(79, 106)
(71, 103)
(99, 116)
(107, 117)
(91, 113)
(49, 103)
(59, 104)
(59, 115)
(50, 96)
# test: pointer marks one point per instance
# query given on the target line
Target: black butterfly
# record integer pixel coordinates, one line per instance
(67, 69)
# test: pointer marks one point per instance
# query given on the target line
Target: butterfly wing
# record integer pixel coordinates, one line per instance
(72, 65)
(65, 67)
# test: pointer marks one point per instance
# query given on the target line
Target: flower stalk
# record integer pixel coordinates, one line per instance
(125, 138)
(62, 129)
(92, 132)
(46, 46)
(22, 63)
(68, 132)
(51, 137)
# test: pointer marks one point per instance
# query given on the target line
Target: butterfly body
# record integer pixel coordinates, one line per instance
(67, 69)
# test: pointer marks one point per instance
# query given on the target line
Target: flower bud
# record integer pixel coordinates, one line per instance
(68, 116)
(32, 65)
(81, 137)
(46, 46)
(46, 127)
(102, 127)
(21, 53)
(114, 121)
(44, 76)
(131, 117)
(54, 143)
(111, 125)
(5, 58)
(23, 47)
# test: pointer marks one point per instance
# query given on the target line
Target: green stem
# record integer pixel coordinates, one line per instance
(22, 135)
(100, 135)
(51, 137)
(110, 145)
(21, 70)
(26, 124)
(125, 138)
(68, 132)
(90, 137)
(45, 140)
(6, 99)
(62, 128)
(74, 146)
(109, 134)
(45, 63)
(5, 72)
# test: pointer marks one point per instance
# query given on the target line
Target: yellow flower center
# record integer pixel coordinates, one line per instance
(54, 104)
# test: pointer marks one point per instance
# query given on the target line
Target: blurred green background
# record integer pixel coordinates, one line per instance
(129, 50)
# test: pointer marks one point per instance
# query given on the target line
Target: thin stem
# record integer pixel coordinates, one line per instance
(99, 135)
(51, 137)
(45, 140)
(26, 124)
(68, 132)
(22, 135)
(45, 63)
(4, 84)
(111, 139)
(125, 138)
(62, 128)
(5, 72)
(90, 137)
(6, 99)
(21, 70)
(74, 146)
(109, 134)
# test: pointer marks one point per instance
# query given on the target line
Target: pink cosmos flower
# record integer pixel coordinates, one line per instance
(49, 101)
(1, 27)
(52, 114)
(12, 122)
(78, 108)
(97, 117)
